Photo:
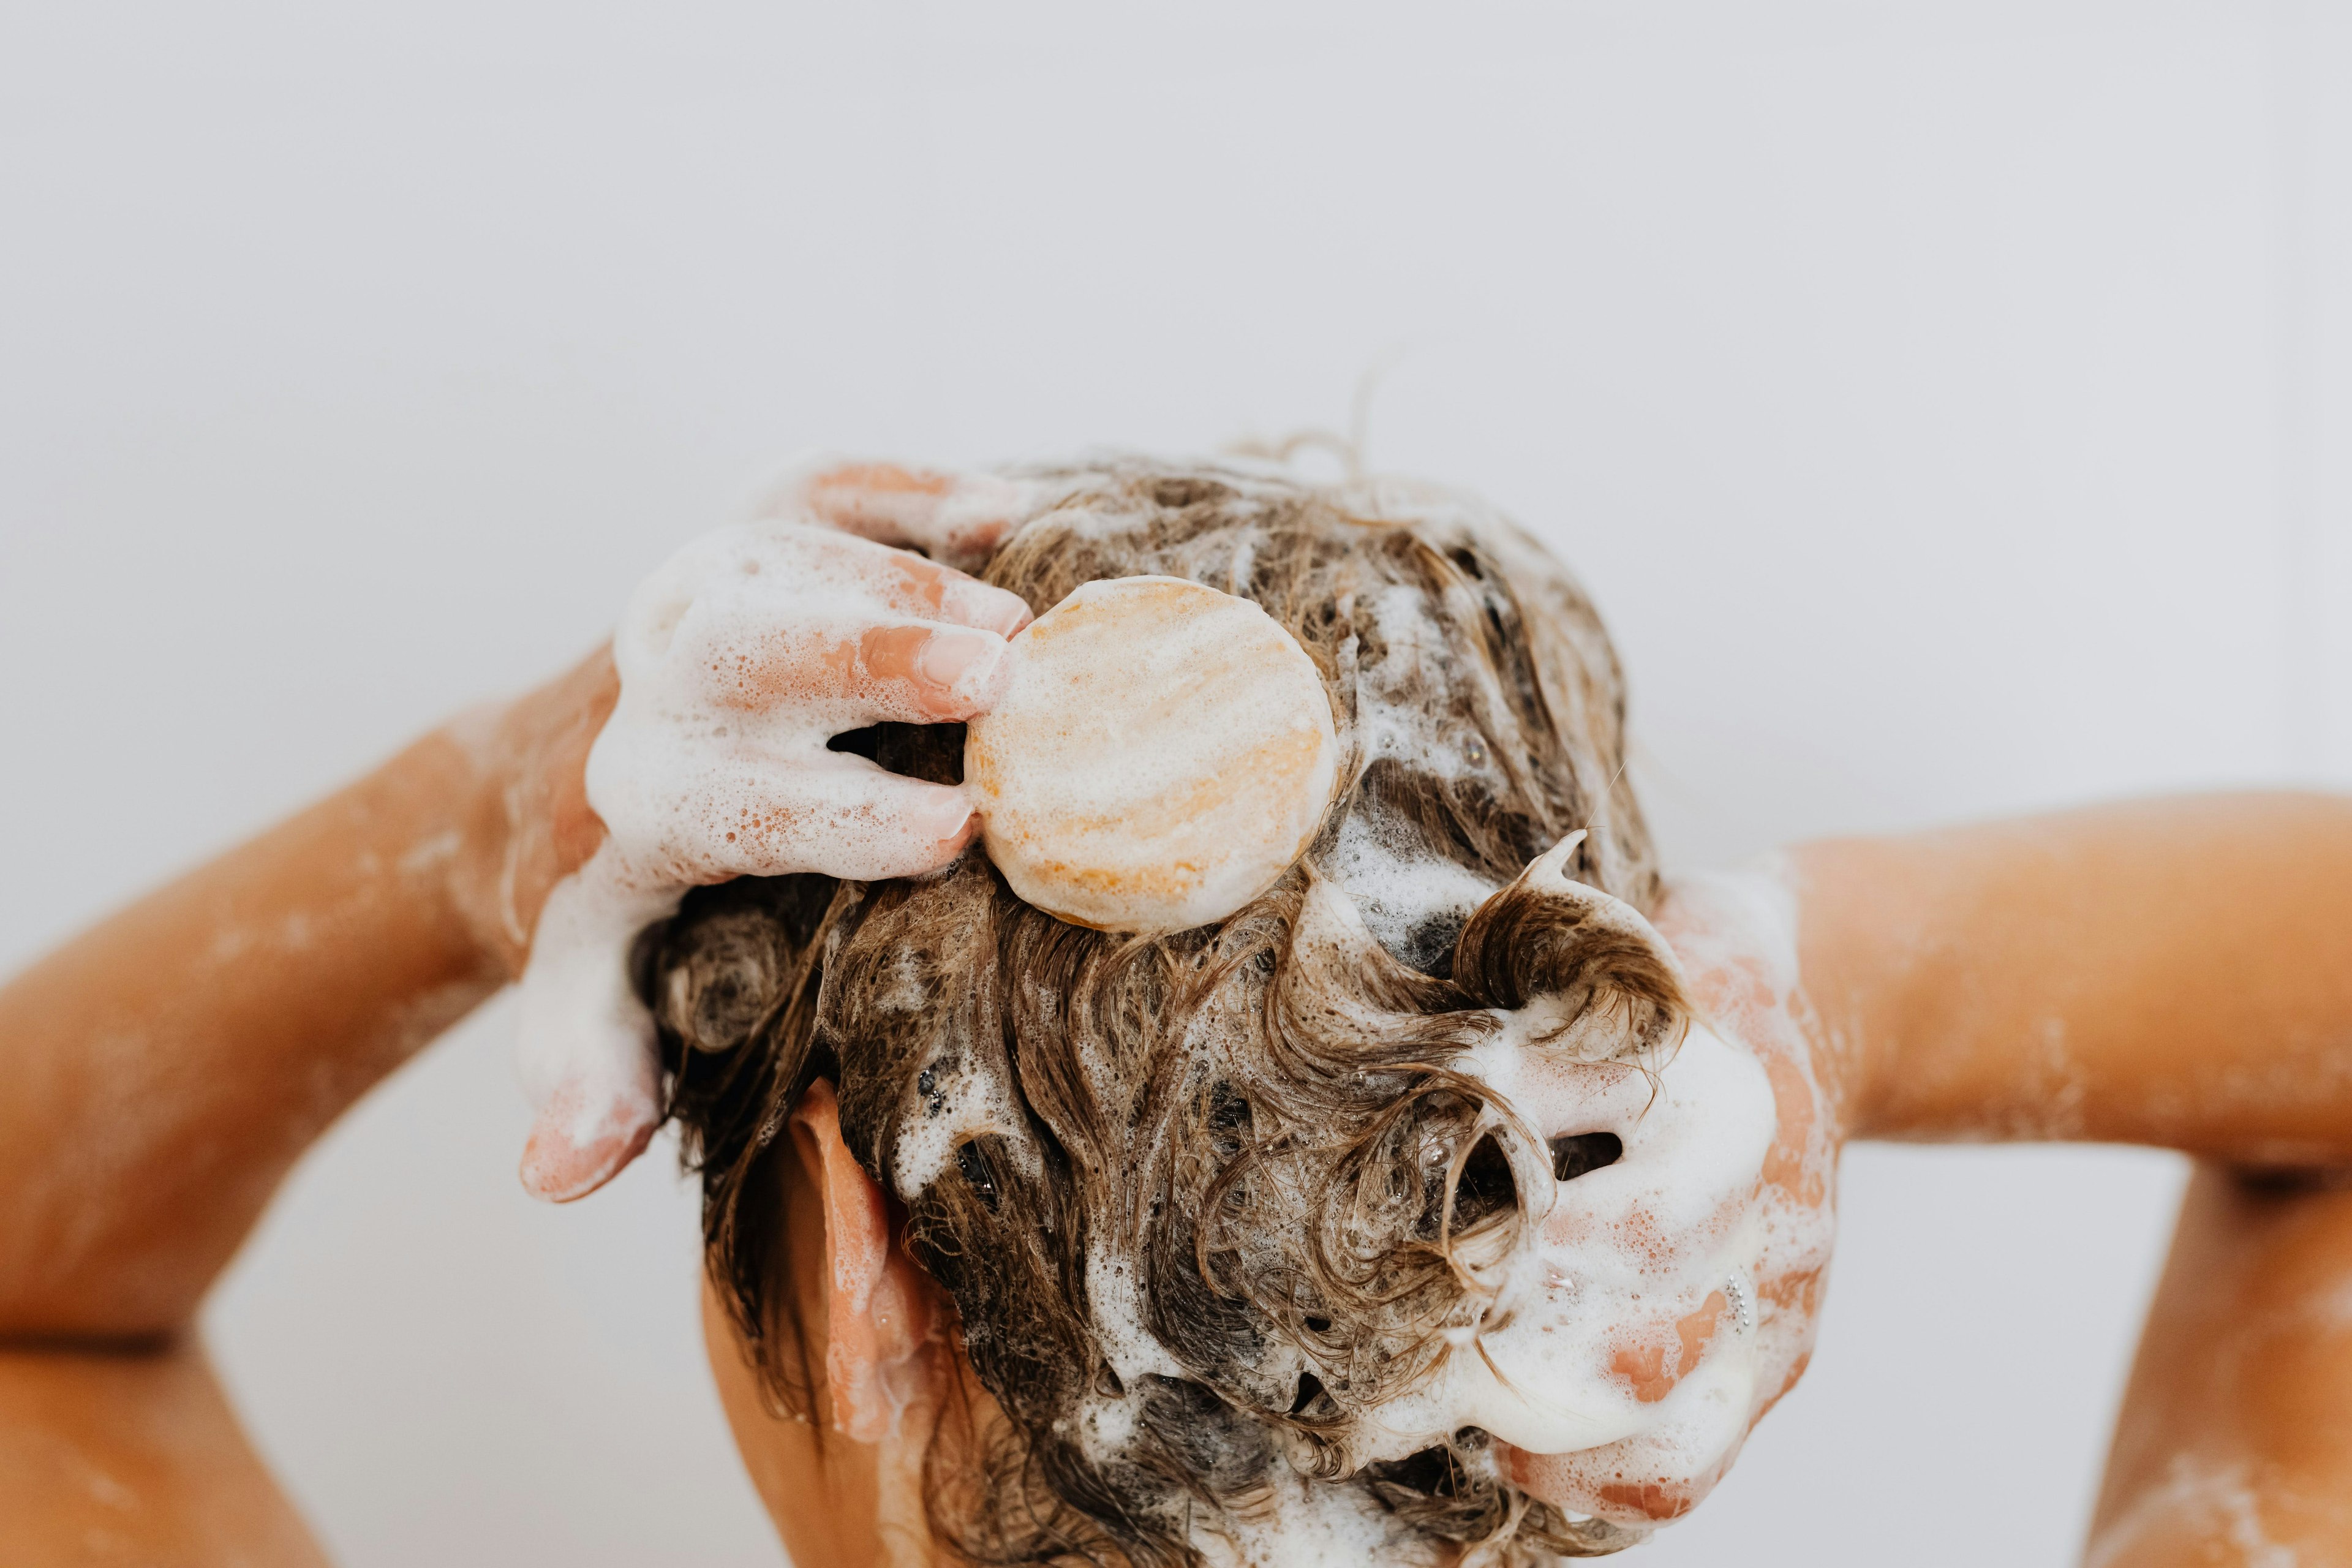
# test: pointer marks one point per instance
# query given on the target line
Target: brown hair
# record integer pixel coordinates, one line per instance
(1203, 1199)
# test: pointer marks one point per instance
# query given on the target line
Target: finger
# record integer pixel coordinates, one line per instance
(807, 555)
(921, 587)
(1617, 1483)
(958, 517)
(585, 1051)
(583, 1137)
(1638, 1482)
(833, 669)
(841, 817)
(740, 588)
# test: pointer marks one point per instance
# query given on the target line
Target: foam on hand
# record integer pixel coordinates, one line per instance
(1659, 1304)
(738, 659)
(1161, 755)
(1651, 1309)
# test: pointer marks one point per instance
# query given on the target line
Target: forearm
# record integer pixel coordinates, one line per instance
(2175, 973)
(161, 1072)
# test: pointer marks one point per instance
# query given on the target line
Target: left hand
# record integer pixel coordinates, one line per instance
(695, 751)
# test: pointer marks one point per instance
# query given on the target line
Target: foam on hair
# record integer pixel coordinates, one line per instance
(1221, 1211)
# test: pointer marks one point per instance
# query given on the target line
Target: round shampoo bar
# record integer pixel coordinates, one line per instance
(1161, 756)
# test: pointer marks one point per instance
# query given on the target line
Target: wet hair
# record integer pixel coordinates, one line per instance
(1202, 1201)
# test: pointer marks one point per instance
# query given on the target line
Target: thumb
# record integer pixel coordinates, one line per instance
(586, 1053)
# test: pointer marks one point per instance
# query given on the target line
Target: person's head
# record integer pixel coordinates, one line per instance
(1216, 1227)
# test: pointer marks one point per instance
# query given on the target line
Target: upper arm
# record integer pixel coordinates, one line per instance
(2235, 1443)
(133, 1456)
(2171, 973)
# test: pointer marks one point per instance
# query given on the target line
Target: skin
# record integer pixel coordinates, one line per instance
(2170, 972)
(738, 659)
(1741, 986)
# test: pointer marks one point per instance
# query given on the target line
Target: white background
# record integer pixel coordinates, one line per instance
(1949, 404)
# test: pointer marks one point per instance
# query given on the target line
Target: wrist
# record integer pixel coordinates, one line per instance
(525, 819)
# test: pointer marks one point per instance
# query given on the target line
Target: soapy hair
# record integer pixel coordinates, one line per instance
(1202, 1201)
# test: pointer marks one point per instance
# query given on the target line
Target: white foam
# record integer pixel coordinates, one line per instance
(1392, 719)
(1630, 1313)
(1399, 889)
(966, 1101)
(737, 663)
(1114, 1297)
(1303, 1523)
(1600, 1332)
(2199, 1501)
(1641, 1244)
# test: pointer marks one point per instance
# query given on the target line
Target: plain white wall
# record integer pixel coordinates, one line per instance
(1948, 403)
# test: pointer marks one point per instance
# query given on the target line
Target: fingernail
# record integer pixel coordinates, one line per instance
(560, 1164)
(972, 603)
(959, 661)
(946, 817)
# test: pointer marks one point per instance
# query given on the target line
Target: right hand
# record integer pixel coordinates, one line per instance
(735, 662)
(1659, 1216)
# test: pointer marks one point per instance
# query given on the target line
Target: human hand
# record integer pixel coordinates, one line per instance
(694, 752)
(1683, 1281)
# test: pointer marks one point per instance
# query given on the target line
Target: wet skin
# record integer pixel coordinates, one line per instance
(1737, 949)
(2172, 973)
